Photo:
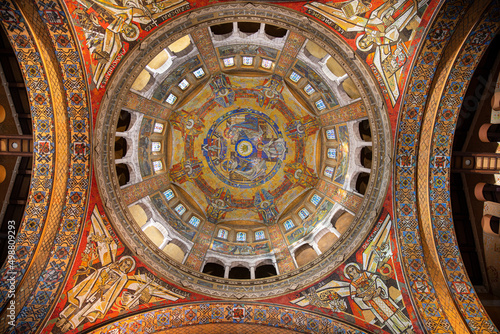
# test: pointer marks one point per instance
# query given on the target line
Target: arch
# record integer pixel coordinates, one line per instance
(343, 222)
(304, 254)
(362, 180)
(222, 29)
(174, 251)
(326, 241)
(239, 272)
(274, 31)
(248, 27)
(265, 270)
(120, 147)
(155, 235)
(214, 269)
(123, 174)
(139, 214)
(324, 323)
(365, 157)
(124, 120)
(365, 132)
(182, 46)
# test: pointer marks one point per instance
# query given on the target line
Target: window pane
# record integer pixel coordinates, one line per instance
(180, 209)
(295, 77)
(156, 146)
(266, 63)
(329, 171)
(288, 224)
(309, 89)
(247, 61)
(183, 84)
(169, 194)
(315, 199)
(332, 153)
(320, 105)
(158, 128)
(157, 165)
(171, 99)
(199, 73)
(303, 213)
(330, 134)
(195, 221)
(228, 62)
(241, 236)
(222, 234)
(259, 235)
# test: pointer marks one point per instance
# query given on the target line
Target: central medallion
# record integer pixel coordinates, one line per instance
(244, 148)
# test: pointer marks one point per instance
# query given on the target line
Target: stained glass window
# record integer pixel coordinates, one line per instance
(259, 235)
(247, 61)
(156, 146)
(266, 63)
(309, 89)
(222, 234)
(169, 194)
(195, 221)
(330, 134)
(295, 77)
(158, 127)
(332, 153)
(320, 105)
(171, 99)
(288, 224)
(157, 165)
(329, 172)
(180, 209)
(315, 199)
(241, 236)
(199, 73)
(303, 213)
(183, 84)
(228, 62)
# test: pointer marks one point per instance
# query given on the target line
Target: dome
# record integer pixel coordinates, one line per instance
(259, 146)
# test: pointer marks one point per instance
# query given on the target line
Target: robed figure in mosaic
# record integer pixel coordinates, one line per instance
(369, 292)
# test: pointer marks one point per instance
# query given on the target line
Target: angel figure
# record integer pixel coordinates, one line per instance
(115, 283)
(365, 287)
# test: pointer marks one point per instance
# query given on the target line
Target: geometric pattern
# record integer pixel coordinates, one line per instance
(73, 198)
(37, 85)
(407, 148)
(439, 197)
(296, 319)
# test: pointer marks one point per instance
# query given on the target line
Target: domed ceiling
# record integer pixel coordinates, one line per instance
(254, 146)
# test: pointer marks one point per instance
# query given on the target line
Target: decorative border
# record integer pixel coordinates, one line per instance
(376, 109)
(39, 94)
(271, 315)
(46, 288)
(423, 277)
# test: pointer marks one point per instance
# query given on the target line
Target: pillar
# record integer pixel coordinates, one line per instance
(487, 192)
(490, 225)
(226, 271)
(489, 133)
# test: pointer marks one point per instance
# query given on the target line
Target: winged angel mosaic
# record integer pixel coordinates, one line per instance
(382, 31)
(365, 287)
(109, 25)
(107, 282)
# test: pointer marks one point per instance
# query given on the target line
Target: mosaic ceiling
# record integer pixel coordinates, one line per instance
(246, 147)
(253, 133)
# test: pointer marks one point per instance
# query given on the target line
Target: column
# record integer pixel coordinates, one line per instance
(487, 192)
